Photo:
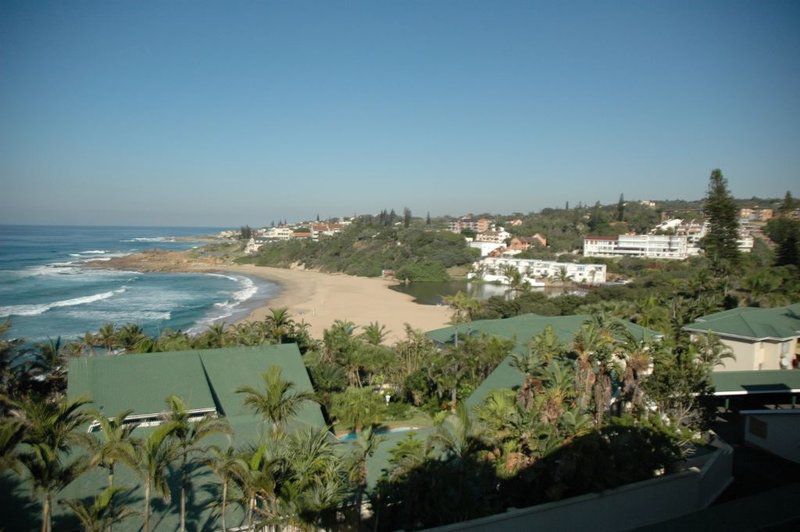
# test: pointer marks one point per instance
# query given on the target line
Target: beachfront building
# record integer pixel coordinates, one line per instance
(643, 246)
(206, 380)
(534, 272)
(480, 225)
(759, 338)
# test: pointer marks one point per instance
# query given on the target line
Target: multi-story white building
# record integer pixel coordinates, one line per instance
(280, 233)
(645, 246)
(496, 237)
(535, 271)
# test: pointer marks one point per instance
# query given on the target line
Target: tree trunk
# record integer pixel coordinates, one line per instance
(46, 513)
(110, 476)
(183, 494)
(183, 506)
(359, 496)
(147, 505)
(224, 503)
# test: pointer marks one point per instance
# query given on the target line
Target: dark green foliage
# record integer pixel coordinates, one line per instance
(366, 249)
(720, 243)
(785, 233)
(245, 232)
(620, 208)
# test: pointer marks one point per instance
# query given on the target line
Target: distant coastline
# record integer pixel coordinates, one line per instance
(314, 297)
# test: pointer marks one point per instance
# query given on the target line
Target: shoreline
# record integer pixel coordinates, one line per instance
(314, 297)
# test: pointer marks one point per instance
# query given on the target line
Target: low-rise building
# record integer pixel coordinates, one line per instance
(486, 248)
(534, 272)
(644, 246)
(759, 338)
(498, 237)
(522, 243)
(480, 225)
(279, 233)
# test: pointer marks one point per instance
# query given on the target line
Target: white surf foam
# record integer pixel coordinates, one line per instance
(150, 239)
(35, 310)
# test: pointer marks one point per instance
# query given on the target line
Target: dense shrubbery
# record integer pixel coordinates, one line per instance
(366, 249)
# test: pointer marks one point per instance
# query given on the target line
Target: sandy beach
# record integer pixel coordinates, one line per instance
(320, 298)
(314, 297)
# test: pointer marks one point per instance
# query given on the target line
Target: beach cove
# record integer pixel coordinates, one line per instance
(317, 298)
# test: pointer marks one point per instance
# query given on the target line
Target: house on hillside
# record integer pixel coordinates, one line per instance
(522, 243)
(760, 338)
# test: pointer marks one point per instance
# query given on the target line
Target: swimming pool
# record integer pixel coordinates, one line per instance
(352, 436)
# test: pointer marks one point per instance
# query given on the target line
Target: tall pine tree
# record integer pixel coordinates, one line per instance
(720, 242)
(620, 208)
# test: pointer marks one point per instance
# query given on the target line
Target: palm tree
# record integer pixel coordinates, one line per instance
(278, 323)
(365, 446)
(115, 444)
(260, 467)
(464, 307)
(216, 335)
(356, 408)
(50, 429)
(52, 423)
(374, 333)
(711, 351)
(107, 336)
(188, 434)
(11, 435)
(49, 475)
(128, 336)
(154, 456)
(105, 510)
(227, 466)
(457, 435)
(278, 401)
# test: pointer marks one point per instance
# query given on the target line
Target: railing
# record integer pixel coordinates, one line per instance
(624, 508)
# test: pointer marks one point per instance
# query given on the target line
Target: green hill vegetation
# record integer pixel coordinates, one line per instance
(367, 247)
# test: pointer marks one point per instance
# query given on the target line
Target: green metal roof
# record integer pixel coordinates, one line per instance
(202, 378)
(520, 329)
(756, 382)
(777, 323)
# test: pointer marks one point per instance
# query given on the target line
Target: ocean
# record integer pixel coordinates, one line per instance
(47, 291)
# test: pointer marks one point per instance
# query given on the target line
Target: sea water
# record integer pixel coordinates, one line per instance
(47, 290)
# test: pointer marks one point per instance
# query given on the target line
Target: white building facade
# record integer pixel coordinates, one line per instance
(644, 246)
(535, 271)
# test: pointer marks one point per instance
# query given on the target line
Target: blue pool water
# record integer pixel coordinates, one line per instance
(353, 436)
(46, 290)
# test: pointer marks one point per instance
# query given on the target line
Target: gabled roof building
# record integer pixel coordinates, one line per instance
(760, 338)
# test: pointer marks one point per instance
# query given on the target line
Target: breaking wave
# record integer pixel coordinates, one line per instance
(35, 310)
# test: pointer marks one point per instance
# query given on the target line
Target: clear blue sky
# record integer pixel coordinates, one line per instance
(226, 113)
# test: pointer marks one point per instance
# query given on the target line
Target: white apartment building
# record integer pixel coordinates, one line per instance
(485, 247)
(279, 233)
(496, 237)
(535, 271)
(645, 246)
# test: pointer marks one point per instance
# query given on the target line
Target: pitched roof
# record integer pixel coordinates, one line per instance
(777, 323)
(755, 382)
(202, 378)
(521, 329)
